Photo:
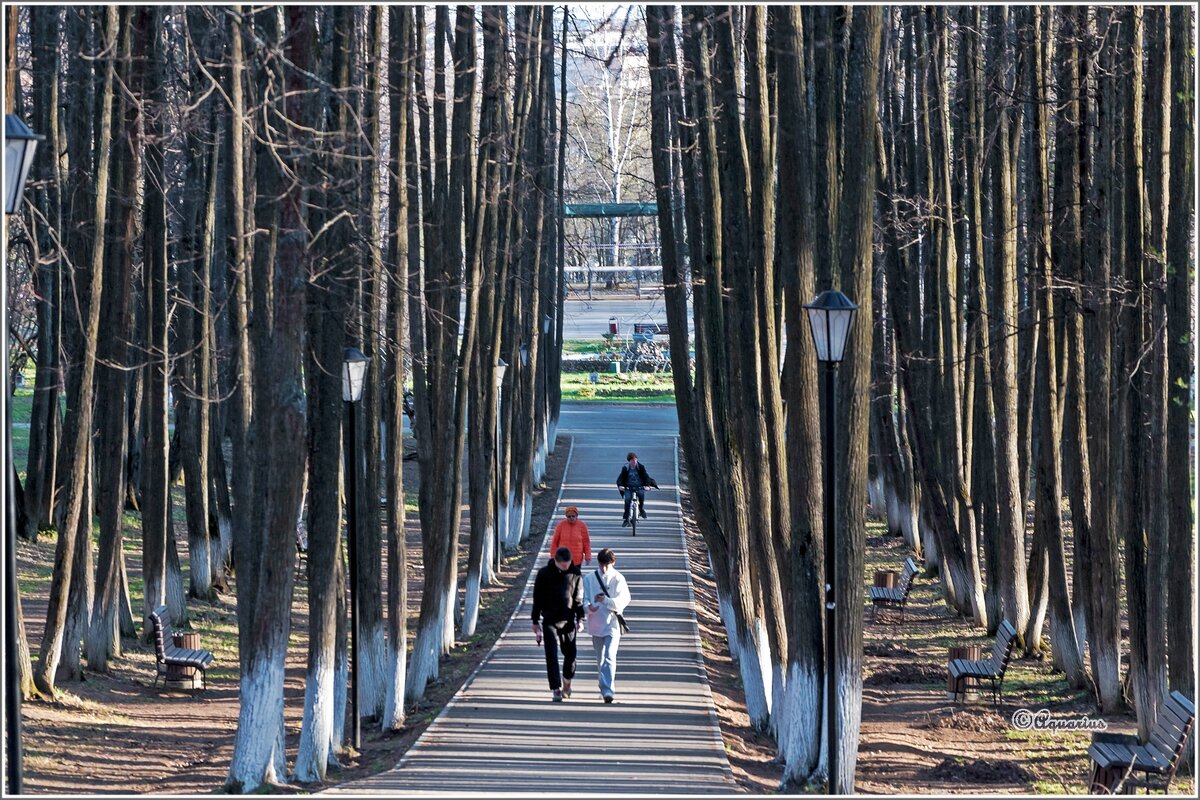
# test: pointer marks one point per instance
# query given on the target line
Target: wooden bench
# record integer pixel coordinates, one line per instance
(896, 596)
(966, 674)
(1121, 763)
(168, 655)
(646, 331)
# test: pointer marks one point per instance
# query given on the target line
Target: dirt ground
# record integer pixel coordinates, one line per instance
(115, 733)
(913, 739)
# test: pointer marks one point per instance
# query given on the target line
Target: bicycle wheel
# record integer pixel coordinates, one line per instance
(633, 518)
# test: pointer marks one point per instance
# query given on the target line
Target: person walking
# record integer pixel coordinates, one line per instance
(607, 594)
(557, 616)
(633, 480)
(572, 533)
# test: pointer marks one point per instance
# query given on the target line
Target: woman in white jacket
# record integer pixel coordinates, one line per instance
(606, 594)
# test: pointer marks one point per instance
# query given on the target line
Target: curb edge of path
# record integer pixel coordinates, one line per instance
(687, 561)
(453, 701)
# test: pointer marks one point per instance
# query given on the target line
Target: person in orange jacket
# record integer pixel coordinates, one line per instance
(572, 533)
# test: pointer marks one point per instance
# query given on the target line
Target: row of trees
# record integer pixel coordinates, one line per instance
(228, 198)
(1007, 195)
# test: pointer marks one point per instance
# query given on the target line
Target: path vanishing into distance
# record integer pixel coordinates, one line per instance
(502, 733)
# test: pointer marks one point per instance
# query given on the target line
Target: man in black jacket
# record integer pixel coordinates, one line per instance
(633, 480)
(557, 615)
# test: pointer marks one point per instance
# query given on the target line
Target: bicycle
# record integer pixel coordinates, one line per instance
(636, 503)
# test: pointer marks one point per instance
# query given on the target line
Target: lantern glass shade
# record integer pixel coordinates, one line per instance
(20, 143)
(546, 320)
(501, 368)
(830, 318)
(354, 374)
(524, 354)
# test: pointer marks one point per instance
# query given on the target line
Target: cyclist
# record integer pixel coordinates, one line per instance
(633, 480)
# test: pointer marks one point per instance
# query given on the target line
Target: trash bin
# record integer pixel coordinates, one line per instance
(614, 327)
(615, 367)
(972, 653)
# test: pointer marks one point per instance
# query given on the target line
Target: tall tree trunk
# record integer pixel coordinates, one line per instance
(1005, 119)
(330, 294)
(156, 521)
(44, 417)
(1180, 285)
(1104, 632)
(111, 382)
(1048, 523)
(264, 593)
(1067, 252)
(856, 220)
(400, 28)
(79, 417)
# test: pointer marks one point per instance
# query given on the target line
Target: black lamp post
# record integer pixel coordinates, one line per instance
(354, 371)
(830, 317)
(501, 368)
(20, 144)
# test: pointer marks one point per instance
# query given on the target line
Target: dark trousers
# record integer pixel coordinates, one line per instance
(641, 498)
(552, 639)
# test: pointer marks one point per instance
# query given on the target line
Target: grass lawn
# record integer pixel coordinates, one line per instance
(637, 387)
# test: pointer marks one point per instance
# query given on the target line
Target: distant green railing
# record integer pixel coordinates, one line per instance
(610, 209)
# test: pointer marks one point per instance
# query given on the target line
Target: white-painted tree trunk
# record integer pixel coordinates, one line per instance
(933, 556)
(316, 729)
(875, 495)
(259, 719)
(393, 705)
(908, 525)
(754, 666)
(552, 436)
(513, 522)
(799, 727)
(200, 558)
(224, 543)
(341, 696)
(539, 462)
(502, 522)
(176, 595)
(849, 722)
(727, 618)
(526, 516)
(470, 606)
(451, 608)
(488, 573)
(427, 650)
(372, 669)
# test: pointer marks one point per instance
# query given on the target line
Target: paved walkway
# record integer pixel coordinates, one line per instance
(502, 733)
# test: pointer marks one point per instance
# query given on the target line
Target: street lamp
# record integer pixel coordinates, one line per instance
(830, 317)
(354, 373)
(524, 354)
(501, 368)
(20, 143)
